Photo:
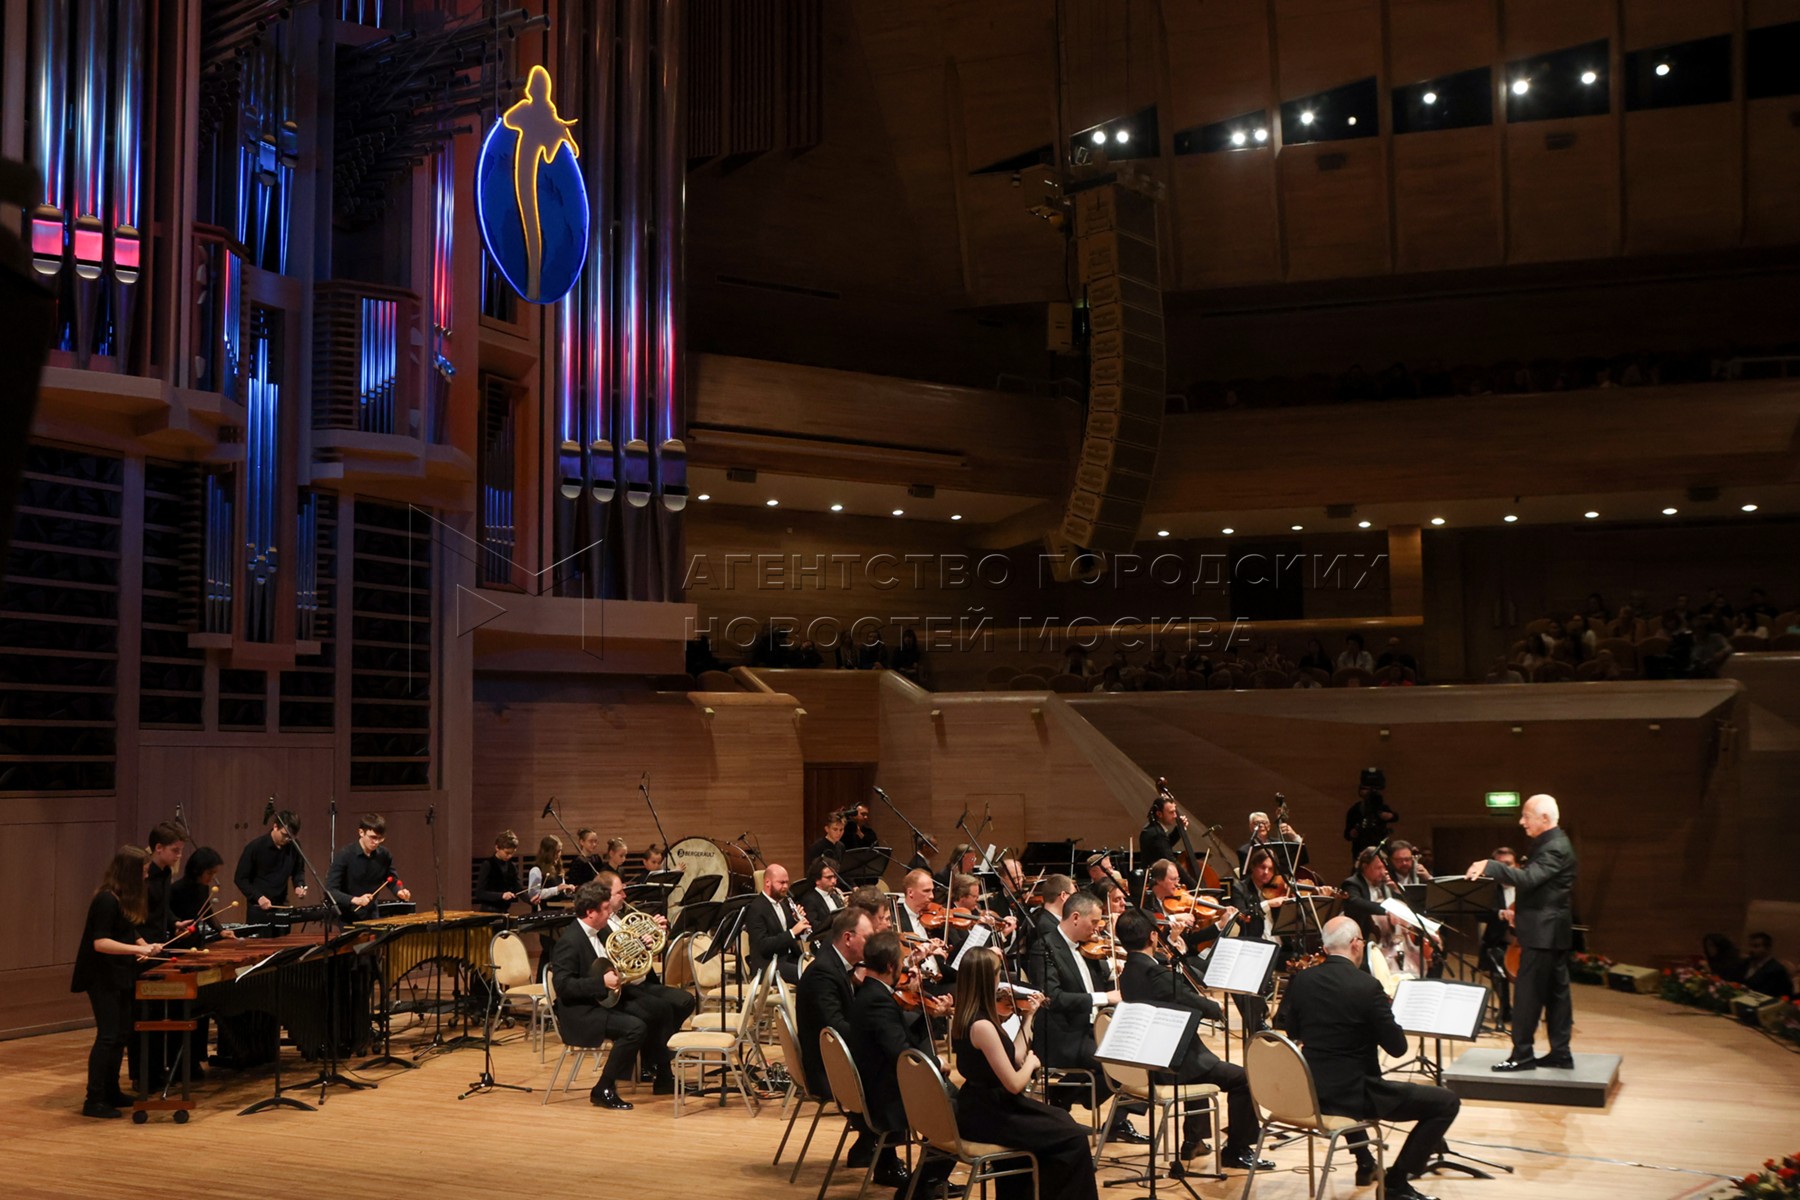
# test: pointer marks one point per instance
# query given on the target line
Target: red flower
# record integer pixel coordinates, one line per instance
(1750, 1181)
(1788, 1173)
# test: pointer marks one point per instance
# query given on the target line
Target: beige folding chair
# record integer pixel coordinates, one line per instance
(1133, 1083)
(699, 1050)
(932, 1116)
(1282, 1085)
(798, 1094)
(847, 1094)
(580, 1050)
(514, 979)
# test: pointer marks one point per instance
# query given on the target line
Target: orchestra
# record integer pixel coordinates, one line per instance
(882, 966)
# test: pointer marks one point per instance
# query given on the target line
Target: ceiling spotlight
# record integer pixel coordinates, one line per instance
(1296, 528)
(1590, 514)
(1437, 520)
(837, 508)
(1362, 524)
(1162, 533)
(1749, 508)
(956, 516)
(1352, 121)
(1099, 137)
(1590, 77)
(1123, 136)
(1306, 118)
(899, 512)
(1228, 529)
(1509, 518)
(771, 503)
(1668, 512)
(1262, 135)
(1429, 97)
(1521, 86)
(703, 496)
(1238, 138)
(1662, 68)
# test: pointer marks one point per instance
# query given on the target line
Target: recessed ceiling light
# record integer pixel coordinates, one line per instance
(837, 508)
(1589, 77)
(703, 496)
(1351, 121)
(1362, 524)
(771, 503)
(1262, 135)
(1296, 528)
(1162, 533)
(1437, 520)
(1509, 518)
(1306, 118)
(1521, 86)
(1228, 529)
(1669, 512)
(899, 512)
(1429, 97)
(1590, 514)
(956, 516)
(1749, 508)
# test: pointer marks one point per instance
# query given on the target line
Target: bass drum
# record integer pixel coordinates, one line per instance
(710, 870)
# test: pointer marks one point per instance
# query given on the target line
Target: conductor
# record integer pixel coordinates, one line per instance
(1543, 893)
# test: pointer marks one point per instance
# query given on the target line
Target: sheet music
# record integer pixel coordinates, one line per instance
(1435, 1008)
(987, 860)
(1146, 1035)
(1401, 911)
(1239, 965)
(979, 935)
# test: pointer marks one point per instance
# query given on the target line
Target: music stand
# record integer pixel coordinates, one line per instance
(1241, 966)
(1151, 1038)
(865, 864)
(1444, 1009)
(1287, 855)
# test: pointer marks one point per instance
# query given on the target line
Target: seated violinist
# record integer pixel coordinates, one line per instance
(920, 922)
(1164, 897)
(967, 911)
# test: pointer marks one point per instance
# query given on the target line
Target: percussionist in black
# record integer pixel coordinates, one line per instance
(360, 870)
(266, 867)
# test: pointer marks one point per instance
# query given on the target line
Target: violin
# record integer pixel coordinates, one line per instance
(1281, 888)
(936, 916)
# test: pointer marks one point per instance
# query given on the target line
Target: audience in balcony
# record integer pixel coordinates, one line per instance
(907, 659)
(1353, 655)
(1396, 656)
(1315, 658)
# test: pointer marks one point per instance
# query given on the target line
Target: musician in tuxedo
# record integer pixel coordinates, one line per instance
(268, 865)
(776, 927)
(965, 897)
(858, 833)
(917, 891)
(832, 844)
(1148, 981)
(1046, 918)
(499, 884)
(1260, 835)
(1543, 918)
(818, 894)
(657, 1005)
(1342, 1019)
(1364, 890)
(582, 992)
(1075, 988)
(823, 1001)
(360, 870)
(1496, 936)
(962, 861)
(1161, 835)
(1161, 882)
(880, 1032)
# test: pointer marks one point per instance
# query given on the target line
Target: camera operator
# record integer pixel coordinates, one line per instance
(1367, 822)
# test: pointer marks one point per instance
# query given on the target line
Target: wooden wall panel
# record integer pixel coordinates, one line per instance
(1447, 201)
(1334, 222)
(1321, 44)
(1683, 179)
(1771, 12)
(1772, 164)
(1650, 23)
(1220, 192)
(1428, 38)
(842, 721)
(1563, 203)
(1016, 257)
(1218, 61)
(1538, 26)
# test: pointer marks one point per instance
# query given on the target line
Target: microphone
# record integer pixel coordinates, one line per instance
(882, 794)
(549, 808)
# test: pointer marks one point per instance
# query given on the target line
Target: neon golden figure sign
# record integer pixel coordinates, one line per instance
(530, 198)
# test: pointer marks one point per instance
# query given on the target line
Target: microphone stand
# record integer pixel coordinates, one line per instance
(644, 791)
(550, 811)
(920, 836)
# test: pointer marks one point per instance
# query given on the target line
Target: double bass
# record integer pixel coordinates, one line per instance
(1199, 868)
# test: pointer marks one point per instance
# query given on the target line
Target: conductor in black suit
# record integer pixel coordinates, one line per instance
(823, 1002)
(777, 928)
(1543, 919)
(1342, 1018)
(1075, 988)
(1145, 980)
(581, 995)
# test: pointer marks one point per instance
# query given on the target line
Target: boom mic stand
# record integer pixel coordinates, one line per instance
(487, 1083)
(550, 811)
(644, 791)
(921, 837)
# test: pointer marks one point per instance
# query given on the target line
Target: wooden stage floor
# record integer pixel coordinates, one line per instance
(1699, 1098)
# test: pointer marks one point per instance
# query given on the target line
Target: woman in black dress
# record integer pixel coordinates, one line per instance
(992, 1105)
(105, 968)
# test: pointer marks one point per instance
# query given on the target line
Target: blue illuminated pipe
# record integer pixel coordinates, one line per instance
(50, 43)
(128, 138)
(669, 320)
(592, 61)
(633, 297)
(90, 139)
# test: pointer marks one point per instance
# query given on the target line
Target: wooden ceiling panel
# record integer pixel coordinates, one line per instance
(1539, 26)
(1659, 22)
(1227, 230)
(1428, 38)
(1563, 203)
(1323, 43)
(1334, 222)
(1773, 164)
(1008, 105)
(1446, 196)
(1218, 61)
(1683, 174)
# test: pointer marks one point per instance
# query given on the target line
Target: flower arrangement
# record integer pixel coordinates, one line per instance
(1589, 968)
(1775, 1181)
(1699, 988)
(1786, 1022)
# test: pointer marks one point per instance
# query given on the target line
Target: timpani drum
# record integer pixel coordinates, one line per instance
(708, 859)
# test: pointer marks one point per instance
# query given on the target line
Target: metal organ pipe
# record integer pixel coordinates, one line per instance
(597, 333)
(633, 299)
(669, 181)
(50, 43)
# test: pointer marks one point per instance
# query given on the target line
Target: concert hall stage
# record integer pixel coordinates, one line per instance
(1472, 1077)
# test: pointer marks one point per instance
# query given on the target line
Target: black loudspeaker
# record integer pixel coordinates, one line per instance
(1119, 249)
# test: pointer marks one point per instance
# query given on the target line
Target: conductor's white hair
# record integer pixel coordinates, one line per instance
(1546, 804)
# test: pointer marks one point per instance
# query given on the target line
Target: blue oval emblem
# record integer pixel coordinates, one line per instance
(530, 198)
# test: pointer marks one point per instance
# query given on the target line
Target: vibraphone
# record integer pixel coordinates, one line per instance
(294, 980)
(414, 939)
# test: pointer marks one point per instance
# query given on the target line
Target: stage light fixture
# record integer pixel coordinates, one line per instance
(1590, 77)
(1162, 533)
(1362, 524)
(703, 496)
(1262, 135)
(1437, 520)
(1662, 68)
(1296, 528)
(1123, 136)
(772, 503)
(1228, 530)
(1238, 138)
(837, 508)
(1099, 137)
(1521, 86)
(1590, 514)
(1306, 118)
(956, 516)
(899, 512)
(1669, 512)
(1429, 97)
(1509, 518)
(1351, 121)
(1749, 508)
